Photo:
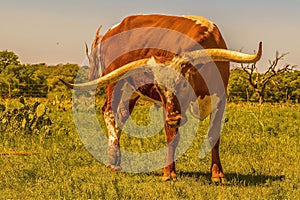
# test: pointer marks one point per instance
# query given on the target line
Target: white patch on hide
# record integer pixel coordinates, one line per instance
(169, 73)
(112, 128)
(202, 21)
(114, 26)
(205, 105)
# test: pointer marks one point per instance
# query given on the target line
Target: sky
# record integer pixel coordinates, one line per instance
(54, 31)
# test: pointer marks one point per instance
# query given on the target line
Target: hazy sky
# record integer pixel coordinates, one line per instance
(55, 31)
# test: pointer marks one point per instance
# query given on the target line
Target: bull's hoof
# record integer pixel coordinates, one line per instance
(165, 178)
(173, 177)
(219, 180)
(114, 168)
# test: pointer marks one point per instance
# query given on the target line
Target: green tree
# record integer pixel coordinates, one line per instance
(10, 81)
(67, 72)
(8, 58)
(295, 85)
(22, 80)
(284, 88)
(238, 89)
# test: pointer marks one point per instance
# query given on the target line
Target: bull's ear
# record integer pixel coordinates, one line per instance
(86, 50)
(97, 38)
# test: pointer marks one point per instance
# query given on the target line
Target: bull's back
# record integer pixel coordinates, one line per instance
(161, 36)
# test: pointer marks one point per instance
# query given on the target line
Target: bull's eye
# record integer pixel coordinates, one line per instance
(184, 85)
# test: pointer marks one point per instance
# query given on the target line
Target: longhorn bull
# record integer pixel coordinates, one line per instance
(191, 46)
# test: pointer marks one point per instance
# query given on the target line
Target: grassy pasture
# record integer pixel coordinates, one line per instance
(259, 150)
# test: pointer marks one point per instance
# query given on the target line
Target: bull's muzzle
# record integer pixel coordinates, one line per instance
(175, 120)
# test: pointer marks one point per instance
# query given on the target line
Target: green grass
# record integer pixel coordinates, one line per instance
(259, 150)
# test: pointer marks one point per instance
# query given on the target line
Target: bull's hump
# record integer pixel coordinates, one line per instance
(184, 24)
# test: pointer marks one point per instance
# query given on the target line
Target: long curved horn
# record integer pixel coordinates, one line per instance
(199, 56)
(223, 55)
(108, 78)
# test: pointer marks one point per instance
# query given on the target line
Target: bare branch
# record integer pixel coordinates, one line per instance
(249, 69)
(259, 81)
(274, 63)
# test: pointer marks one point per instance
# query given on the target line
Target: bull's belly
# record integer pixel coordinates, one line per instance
(199, 109)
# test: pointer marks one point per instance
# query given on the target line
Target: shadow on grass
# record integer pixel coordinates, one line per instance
(235, 178)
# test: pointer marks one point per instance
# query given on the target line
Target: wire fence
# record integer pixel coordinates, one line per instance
(43, 90)
(26, 90)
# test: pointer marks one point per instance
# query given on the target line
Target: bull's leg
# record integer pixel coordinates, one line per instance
(114, 152)
(216, 167)
(172, 115)
(113, 105)
(126, 108)
(214, 133)
(172, 139)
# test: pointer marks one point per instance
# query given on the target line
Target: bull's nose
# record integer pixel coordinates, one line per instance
(174, 124)
(174, 120)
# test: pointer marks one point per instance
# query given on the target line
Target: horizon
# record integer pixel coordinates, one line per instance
(54, 32)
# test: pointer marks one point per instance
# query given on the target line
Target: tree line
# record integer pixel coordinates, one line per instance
(277, 84)
(34, 80)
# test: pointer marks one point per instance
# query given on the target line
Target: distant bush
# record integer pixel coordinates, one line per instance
(23, 118)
